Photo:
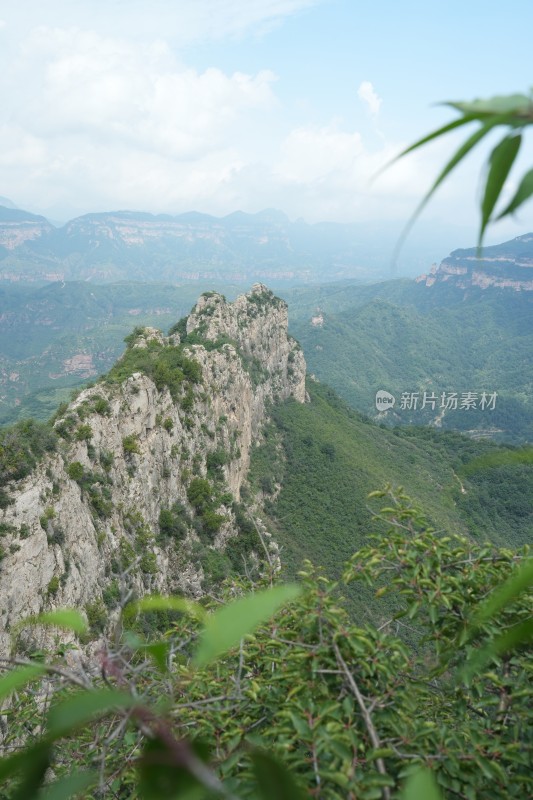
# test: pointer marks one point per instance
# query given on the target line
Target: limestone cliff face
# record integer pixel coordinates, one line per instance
(131, 449)
(503, 266)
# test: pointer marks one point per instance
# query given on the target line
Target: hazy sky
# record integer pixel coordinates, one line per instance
(218, 105)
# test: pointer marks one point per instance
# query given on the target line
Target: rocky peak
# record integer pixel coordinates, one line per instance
(149, 464)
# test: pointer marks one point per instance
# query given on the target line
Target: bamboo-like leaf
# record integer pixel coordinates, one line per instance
(37, 753)
(225, 628)
(457, 123)
(500, 162)
(33, 770)
(457, 157)
(18, 678)
(83, 707)
(523, 193)
(518, 105)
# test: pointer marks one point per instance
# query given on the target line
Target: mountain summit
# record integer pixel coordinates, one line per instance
(144, 470)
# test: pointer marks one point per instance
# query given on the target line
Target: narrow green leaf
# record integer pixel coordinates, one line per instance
(523, 193)
(457, 157)
(274, 781)
(513, 105)
(168, 771)
(225, 628)
(33, 771)
(18, 678)
(69, 786)
(518, 635)
(514, 586)
(500, 162)
(457, 123)
(160, 603)
(83, 707)
(67, 618)
(421, 785)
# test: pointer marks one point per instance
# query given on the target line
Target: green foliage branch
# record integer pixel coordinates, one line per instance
(232, 702)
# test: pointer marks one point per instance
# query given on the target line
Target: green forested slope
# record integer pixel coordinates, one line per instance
(408, 338)
(320, 460)
(397, 335)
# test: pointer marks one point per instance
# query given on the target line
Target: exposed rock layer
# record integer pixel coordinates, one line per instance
(146, 447)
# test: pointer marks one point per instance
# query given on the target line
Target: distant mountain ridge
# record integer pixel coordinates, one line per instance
(119, 245)
(505, 266)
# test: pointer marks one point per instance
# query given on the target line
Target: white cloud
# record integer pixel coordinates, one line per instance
(368, 95)
(99, 88)
(183, 21)
(94, 121)
(3, 23)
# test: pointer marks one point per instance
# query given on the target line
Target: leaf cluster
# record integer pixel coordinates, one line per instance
(229, 703)
(512, 112)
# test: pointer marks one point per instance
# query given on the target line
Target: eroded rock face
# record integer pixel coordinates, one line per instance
(504, 266)
(131, 449)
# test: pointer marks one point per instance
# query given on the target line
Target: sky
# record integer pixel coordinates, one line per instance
(217, 105)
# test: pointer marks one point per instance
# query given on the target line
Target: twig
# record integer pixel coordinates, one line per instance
(374, 738)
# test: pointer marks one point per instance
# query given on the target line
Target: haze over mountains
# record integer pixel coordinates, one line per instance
(464, 327)
(267, 246)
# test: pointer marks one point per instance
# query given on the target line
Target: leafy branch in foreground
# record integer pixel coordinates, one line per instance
(513, 112)
(234, 702)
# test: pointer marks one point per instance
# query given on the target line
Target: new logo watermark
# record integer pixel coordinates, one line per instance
(384, 400)
(445, 401)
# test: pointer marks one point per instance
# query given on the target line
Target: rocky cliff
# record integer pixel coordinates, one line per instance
(18, 227)
(504, 266)
(147, 472)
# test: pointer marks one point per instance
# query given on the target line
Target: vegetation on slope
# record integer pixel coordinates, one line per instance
(319, 461)
(408, 338)
(311, 704)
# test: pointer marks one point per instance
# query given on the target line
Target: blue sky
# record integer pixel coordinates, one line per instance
(218, 105)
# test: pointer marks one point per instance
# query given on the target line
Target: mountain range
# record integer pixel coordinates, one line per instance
(240, 247)
(120, 245)
(399, 336)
